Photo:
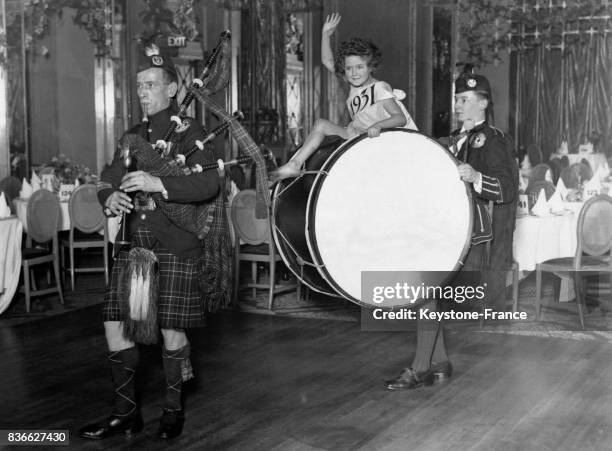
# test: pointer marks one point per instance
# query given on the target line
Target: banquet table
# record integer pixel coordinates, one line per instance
(10, 259)
(537, 239)
(541, 238)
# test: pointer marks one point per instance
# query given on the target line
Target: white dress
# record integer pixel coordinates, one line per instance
(365, 108)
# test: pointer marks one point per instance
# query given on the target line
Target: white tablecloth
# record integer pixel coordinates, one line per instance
(537, 239)
(10, 259)
(594, 159)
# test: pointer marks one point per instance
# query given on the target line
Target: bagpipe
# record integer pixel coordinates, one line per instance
(206, 220)
(155, 160)
(210, 71)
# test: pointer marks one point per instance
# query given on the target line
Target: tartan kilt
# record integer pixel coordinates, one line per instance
(180, 302)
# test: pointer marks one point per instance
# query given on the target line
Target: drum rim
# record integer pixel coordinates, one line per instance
(279, 242)
(311, 210)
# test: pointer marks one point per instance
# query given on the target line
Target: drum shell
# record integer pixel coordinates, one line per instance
(289, 217)
(322, 277)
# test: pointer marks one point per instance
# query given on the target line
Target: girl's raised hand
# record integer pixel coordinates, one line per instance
(331, 23)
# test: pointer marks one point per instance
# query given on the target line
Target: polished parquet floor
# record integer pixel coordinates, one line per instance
(276, 383)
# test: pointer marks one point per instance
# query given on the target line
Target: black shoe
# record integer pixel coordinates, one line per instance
(171, 424)
(410, 379)
(113, 425)
(442, 370)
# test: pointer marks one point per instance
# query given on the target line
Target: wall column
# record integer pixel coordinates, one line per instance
(104, 82)
(5, 153)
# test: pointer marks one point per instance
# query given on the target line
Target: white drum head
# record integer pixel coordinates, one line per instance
(391, 203)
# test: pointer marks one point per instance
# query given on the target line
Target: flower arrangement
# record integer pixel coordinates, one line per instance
(68, 172)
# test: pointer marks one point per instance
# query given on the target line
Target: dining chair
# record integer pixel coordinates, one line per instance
(254, 243)
(571, 176)
(536, 187)
(86, 221)
(594, 241)
(556, 167)
(43, 217)
(585, 170)
(541, 172)
(535, 154)
(10, 186)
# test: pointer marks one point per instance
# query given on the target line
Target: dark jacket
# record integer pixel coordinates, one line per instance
(192, 188)
(489, 151)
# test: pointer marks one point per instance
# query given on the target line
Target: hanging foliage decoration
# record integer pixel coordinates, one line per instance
(487, 28)
(161, 19)
(93, 16)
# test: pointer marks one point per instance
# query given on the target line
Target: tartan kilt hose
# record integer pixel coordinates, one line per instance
(180, 302)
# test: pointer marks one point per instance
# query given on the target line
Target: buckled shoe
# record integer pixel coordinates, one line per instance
(442, 370)
(113, 425)
(410, 379)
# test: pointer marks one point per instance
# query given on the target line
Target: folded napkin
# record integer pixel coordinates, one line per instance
(525, 164)
(76, 183)
(5, 210)
(35, 180)
(36, 183)
(26, 189)
(541, 207)
(47, 181)
(561, 189)
(555, 203)
(563, 149)
(522, 183)
(601, 173)
(548, 176)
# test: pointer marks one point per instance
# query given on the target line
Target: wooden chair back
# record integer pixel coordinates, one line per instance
(535, 154)
(541, 172)
(247, 227)
(595, 226)
(43, 216)
(85, 210)
(536, 187)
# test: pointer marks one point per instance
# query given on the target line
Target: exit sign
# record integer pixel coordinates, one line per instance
(177, 41)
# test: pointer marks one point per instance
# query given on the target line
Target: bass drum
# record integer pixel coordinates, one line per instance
(391, 203)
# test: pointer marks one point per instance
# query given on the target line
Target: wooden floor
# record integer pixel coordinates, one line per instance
(271, 383)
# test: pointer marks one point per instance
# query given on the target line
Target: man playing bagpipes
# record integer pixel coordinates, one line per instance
(178, 255)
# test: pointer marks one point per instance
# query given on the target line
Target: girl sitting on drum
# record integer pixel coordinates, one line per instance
(372, 104)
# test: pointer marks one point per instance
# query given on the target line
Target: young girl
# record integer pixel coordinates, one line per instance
(372, 104)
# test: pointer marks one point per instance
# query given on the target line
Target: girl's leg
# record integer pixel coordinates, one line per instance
(321, 129)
